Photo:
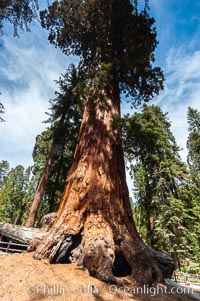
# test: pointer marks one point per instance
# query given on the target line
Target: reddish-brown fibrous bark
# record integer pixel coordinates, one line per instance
(95, 225)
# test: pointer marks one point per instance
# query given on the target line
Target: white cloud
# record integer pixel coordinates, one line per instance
(28, 68)
(182, 89)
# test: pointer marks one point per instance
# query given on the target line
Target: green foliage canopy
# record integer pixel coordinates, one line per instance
(112, 33)
(18, 12)
(193, 142)
(13, 195)
(193, 145)
(160, 179)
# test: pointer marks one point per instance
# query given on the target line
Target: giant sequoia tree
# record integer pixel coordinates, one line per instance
(116, 46)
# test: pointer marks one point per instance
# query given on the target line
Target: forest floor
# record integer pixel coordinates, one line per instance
(24, 279)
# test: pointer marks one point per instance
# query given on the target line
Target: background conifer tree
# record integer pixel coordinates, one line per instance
(13, 195)
(193, 145)
(56, 145)
(160, 180)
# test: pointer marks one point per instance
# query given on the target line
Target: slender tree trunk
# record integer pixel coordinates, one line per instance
(30, 221)
(41, 187)
(95, 225)
(53, 197)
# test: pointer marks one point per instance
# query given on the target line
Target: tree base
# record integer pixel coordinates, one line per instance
(105, 259)
(108, 262)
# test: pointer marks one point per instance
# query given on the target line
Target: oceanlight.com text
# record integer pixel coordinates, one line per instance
(54, 290)
(150, 290)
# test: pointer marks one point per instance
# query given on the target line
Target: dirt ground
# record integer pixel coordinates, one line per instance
(24, 279)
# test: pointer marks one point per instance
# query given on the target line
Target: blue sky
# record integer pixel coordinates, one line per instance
(29, 65)
(178, 53)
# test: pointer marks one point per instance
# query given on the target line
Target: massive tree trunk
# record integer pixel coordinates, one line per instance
(95, 225)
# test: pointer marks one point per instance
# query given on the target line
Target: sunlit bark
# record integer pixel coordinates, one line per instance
(94, 225)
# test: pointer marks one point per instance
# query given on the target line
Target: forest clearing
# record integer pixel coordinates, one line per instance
(24, 279)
